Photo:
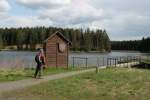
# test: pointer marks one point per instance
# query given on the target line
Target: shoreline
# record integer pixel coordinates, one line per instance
(128, 51)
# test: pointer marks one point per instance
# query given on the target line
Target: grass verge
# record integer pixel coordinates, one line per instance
(14, 75)
(108, 84)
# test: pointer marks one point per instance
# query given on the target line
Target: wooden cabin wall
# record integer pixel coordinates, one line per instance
(55, 58)
(62, 60)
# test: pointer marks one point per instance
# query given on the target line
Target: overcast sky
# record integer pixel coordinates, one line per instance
(123, 19)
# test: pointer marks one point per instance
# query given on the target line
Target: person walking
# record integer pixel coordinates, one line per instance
(40, 60)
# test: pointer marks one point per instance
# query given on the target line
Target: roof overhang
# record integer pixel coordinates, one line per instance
(59, 34)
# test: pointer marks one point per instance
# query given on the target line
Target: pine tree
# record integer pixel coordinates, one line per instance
(86, 39)
(20, 39)
(1, 41)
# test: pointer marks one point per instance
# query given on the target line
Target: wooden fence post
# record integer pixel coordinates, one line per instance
(115, 62)
(127, 62)
(96, 69)
(140, 59)
(103, 61)
(86, 62)
(110, 61)
(98, 61)
(73, 61)
(107, 62)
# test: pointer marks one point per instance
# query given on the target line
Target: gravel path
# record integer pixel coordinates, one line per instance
(8, 86)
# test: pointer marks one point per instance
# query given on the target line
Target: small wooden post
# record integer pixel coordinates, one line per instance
(103, 61)
(73, 61)
(107, 62)
(115, 61)
(98, 61)
(134, 59)
(86, 62)
(96, 69)
(127, 62)
(139, 59)
(120, 59)
(110, 61)
(123, 59)
(131, 61)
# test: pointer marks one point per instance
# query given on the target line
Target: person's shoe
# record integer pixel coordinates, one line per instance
(40, 78)
(33, 76)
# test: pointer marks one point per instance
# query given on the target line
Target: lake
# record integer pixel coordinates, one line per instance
(26, 59)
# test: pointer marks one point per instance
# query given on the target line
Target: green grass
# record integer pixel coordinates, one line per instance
(14, 75)
(146, 61)
(108, 84)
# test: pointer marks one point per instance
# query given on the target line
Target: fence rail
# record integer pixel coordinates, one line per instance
(106, 61)
(85, 59)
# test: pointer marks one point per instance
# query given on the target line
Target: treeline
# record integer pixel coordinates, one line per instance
(145, 45)
(28, 38)
(138, 45)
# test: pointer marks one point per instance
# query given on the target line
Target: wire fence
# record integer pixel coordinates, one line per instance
(87, 62)
(74, 61)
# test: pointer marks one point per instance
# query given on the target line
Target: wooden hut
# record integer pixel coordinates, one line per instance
(57, 50)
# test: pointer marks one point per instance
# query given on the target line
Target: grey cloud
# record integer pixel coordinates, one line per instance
(123, 5)
(4, 6)
(123, 19)
(130, 18)
(38, 4)
(74, 21)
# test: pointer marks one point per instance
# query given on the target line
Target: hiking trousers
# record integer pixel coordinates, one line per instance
(38, 70)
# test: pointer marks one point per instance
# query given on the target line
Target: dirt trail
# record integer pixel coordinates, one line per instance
(8, 86)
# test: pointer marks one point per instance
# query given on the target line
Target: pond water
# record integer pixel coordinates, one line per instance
(100, 59)
(26, 59)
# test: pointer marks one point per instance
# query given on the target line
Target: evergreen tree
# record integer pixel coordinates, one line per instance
(1, 41)
(86, 40)
(20, 39)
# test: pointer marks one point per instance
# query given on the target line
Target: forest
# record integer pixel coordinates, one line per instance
(135, 45)
(28, 38)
